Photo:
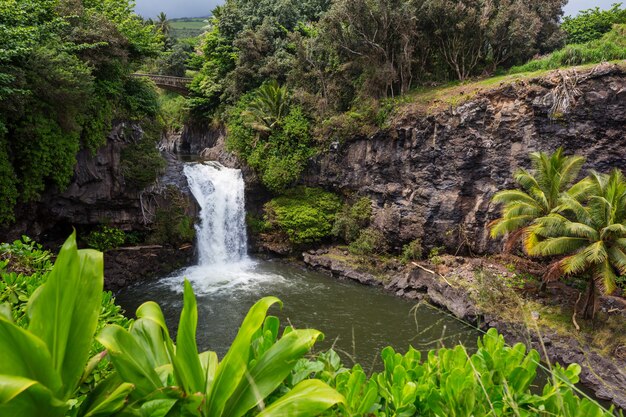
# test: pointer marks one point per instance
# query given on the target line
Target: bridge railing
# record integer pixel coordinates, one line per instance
(166, 79)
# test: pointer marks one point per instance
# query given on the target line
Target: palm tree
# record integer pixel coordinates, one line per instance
(540, 189)
(268, 107)
(592, 237)
(163, 24)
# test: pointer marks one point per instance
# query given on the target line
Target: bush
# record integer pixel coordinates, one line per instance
(370, 242)
(105, 238)
(280, 153)
(591, 24)
(611, 47)
(142, 162)
(454, 382)
(352, 219)
(305, 214)
(412, 251)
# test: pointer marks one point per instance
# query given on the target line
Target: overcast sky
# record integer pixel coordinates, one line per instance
(195, 8)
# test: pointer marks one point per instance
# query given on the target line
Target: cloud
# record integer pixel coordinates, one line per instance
(175, 8)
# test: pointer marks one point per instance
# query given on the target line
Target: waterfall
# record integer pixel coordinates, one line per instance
(223, 263)
(221, 233)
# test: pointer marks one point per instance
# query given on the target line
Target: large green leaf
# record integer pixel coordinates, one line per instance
(209, 363)
(270, 371)
(150, 337)
(309, 398)
(24, 355)
(64, 311)
(129, 359)
(25, 397)
(233, 366)
(187, 368)
(110, 402)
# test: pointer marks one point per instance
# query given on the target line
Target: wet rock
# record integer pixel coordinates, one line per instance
(126, 266)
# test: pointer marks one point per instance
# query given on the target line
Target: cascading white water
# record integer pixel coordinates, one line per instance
(223, 263)
(221, 233)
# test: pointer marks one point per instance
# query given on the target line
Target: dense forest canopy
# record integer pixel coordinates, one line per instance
(332, 53)
(64, 76)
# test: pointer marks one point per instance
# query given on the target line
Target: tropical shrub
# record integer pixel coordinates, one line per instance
(412, 251)
(305, 214)
(495, 380)
(352, 219)
(105, 238)
(272, 136)
(153, 374)
(370, 241)
(539, 193)
(44, 364)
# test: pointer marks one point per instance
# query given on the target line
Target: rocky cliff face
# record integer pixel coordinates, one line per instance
(98, 193)
(432, 176)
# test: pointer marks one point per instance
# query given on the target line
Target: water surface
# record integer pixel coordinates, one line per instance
(357, 320)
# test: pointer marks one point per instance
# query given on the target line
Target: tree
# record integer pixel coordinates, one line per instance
(163, 24)
(591, 235)
(377, 39)
(539, 194)
(591, 24)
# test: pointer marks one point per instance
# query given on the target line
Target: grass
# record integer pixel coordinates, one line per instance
(611, 47)
(187, 27)
(429, 100)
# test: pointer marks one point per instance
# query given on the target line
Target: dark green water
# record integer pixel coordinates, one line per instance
(358, 321)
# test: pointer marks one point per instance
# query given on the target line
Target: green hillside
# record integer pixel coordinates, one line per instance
(187, 27)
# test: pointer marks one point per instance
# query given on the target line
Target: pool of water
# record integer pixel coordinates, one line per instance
(357, 320)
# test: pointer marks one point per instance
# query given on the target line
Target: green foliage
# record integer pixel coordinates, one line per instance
(179, 380)
(434, 255)
(612, 46)
(305, 214)
(369, 242)
(271, 137)
(141, 161)
(140, 99)
(173, 111)
(588, 231)
(592, 24)
(412, 251)
(540, 191)
(495, 380)
(63, 68)
(105, 238)
(172, 225)
(45, 362)
(24, 266)
(257, 225)
(352, 219)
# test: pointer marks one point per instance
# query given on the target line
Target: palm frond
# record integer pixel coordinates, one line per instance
(557, 246)
(513, 196)
(617, 257)
(575, 264)
(503, 225)
(604, 278)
